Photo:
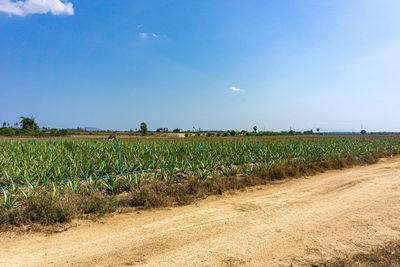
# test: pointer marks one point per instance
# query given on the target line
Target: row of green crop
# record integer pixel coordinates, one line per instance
(37, 161)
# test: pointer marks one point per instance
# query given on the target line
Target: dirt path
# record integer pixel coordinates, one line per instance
(295, 221)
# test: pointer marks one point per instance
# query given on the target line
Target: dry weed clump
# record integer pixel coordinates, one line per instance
(163, 193)
(387, 255)
(47, 208)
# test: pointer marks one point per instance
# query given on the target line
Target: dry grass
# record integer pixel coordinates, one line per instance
(163, 193)
(45, 208)
(387, 255)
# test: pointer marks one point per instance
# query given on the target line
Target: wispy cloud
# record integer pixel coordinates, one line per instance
(235, 89)
(27, 7)
(145, 35)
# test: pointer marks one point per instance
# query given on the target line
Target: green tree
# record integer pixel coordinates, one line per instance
(64, 132)
(162, 130)
(143, 128)
(7, 131)
(29, 124)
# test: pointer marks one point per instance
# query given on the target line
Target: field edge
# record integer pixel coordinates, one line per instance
(45, 208)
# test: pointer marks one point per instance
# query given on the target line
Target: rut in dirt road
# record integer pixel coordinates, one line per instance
(296, 221)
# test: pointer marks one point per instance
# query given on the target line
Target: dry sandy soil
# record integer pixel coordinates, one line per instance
(295, 222)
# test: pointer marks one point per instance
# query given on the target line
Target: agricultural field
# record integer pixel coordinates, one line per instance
(33, 162)
(109, 167)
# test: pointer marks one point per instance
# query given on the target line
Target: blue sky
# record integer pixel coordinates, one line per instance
(209, 64)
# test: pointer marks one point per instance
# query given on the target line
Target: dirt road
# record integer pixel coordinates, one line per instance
(295, 221)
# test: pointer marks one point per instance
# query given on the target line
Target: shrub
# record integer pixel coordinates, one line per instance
(143, 128)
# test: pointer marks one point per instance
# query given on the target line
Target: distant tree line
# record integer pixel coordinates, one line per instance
(28, 126)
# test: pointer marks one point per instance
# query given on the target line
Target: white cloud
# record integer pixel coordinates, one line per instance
(145, 35)
(235, 89)
(23, 8)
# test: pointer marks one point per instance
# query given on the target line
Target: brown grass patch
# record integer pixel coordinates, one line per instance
(45, 208)
(387, 255)
(163, 193)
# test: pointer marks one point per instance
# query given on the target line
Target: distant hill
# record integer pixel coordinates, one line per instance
(92, 129)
